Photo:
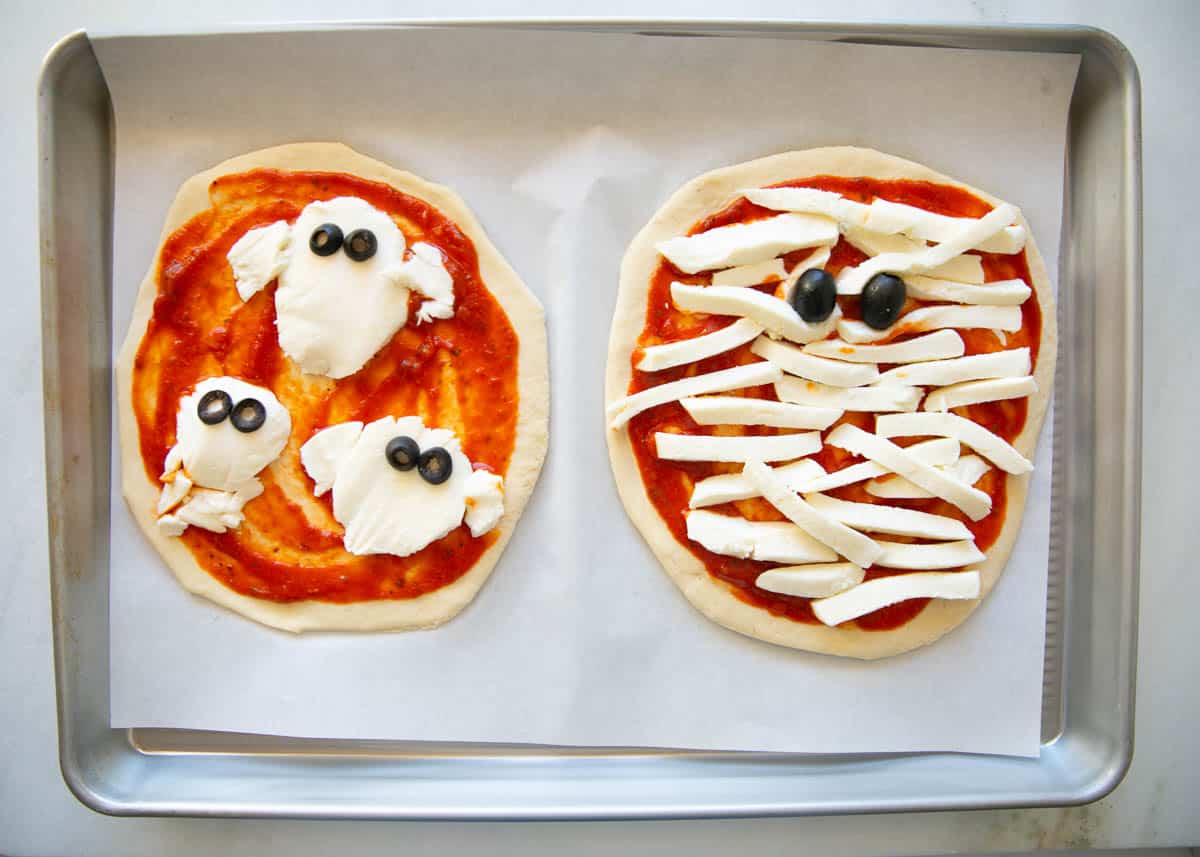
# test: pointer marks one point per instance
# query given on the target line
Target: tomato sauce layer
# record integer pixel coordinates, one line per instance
(458, 373)
(669, 483)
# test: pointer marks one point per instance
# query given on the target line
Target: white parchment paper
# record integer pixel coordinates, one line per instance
(565, 144)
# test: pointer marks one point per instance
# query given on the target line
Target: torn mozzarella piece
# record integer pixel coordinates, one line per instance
(834, 373)
(324, 451)
(818, 580)
(967, 470)
(886, 216)
(809, 200)
(775, 315)
(671, 354)
(624, 409)
(893, 520)
(259, 256)
(932, 346)
(883, 591)
(174, 489)
(936, 318)
(912, 557)
(769, 271)
(743, 411)
(976, 392)
(426, 274)
(484, 498)
(883, 397)
(210, 509)
(748, 243)
(779, 447)
(731, 487)
(995, 364)
(940, 451)
(991, 446)
(1000, 293)
(766, 541)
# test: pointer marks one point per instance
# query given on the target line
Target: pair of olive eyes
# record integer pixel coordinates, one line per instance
(246, 416)
(360, 245)
(434, 464)
(815, 296)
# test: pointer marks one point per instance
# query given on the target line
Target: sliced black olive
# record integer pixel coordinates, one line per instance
(435, 465)
(214, 406)
(815, 295)
(402, 452)
(361, 245)
(882, 299)
(248, 415)
(326, 239)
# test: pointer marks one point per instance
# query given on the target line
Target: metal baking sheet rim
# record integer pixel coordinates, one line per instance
(107, 770)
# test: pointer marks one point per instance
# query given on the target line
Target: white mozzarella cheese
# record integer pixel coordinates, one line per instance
(932, 346)
(912, 557)
(893, 520)
(626, 408)
(886, 216)
(883, 591)
(748, 243)
(774, 314)
(779, 447)
(875, 243)
(940, 451)
(967, 268)
(819, 580)
(967, 470)
(670, 354)
(941, 373)
(769, 271)
(883, 397)
(818, 258)
(936, 318)
(766, 541)
(991, 446)
(809, 201)
(743, 411)
(1001, 293)
(259, 256)
(730, 487)
(975, 392)
(834, 373)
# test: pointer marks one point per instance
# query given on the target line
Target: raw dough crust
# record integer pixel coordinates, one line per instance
(524, 311)
(703, 196)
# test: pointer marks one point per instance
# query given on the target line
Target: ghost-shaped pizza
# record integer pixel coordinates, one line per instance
(827, 373)
(333, 395)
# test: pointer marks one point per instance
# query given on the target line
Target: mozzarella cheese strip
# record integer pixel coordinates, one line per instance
(975, 392)
(671, 354)
(748, 243)
(624, 409)
(819, 580)
(818, 258)
(996, 364)
(933, 346)
(966, 267)
(936, 318)
(766, 541)
(893, 520)
(1001, 293)
(851, 438)
(884, 397)
(967, 470)
(884, 591)
(751, 275)
(779, 447)
(774, 314)
(886, 216)
(730, 487)
(809, 200)
(926, 557)
(834, 373)
(854, 546)
(742, 411)
(940, 451)
(991, 446)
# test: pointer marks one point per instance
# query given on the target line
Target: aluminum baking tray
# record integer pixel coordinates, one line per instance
(1092, 611)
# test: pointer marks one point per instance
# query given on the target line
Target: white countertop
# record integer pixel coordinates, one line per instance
(1154, 806)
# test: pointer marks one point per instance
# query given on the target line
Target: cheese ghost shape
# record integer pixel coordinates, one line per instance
(210, 472)
(385, 510)
(333, 312)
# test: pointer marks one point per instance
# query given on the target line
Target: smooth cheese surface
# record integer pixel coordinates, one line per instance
(975, 392)
(991, 446)
(731, 487)
(933, 346)
(818, 580)
(748, 243)
(882, 591)
(773, 314)
(766, 541)
(780, 447)
(881, 398)
(671, 354)
(794, 361)
(623, 410)
(740, 410)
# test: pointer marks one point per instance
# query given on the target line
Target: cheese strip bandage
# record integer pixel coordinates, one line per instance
(780, 447)
(854, 546)
(967, 470)
(940, 451)
(766, 541)
(742, 411)
(884, 591)
(672, 354)
(807, 200)
(883, 397)
(927, 557)
(1013, 363)
(892, 520)
(936, 318)
(819, 580)
(991, 446)
(851, 438)
(886, 216)
(748, 243)
(818, 258)
(731, 487)
(775, 315)
(1002, 293)
(932, 346)
(834, 373)
(977, 392)
(769, 271)
(623, 410)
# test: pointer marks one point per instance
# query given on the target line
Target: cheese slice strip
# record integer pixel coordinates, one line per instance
(969, 268)
(626, 408)
(975, 392)
(967, 470)
(731, 487)
(743, 411)
(884, 397)
(775, 315)
(1001, 293)
(996, 364)
(671, 354)
(834, 373)
(926, 557)
(819, 580)
(932, 346)
(854, 546)
(748, 243)
(940, 451)
(751, 275)
(810, 201)
(766, 541)
(991, 446)
(936, 318)
(851, 438)
(780, 447)
(818, 258)
(893, 520)
(886, 216)
(883, 591)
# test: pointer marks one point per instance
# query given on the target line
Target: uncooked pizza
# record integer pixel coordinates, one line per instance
(826, 377)
(333, 394)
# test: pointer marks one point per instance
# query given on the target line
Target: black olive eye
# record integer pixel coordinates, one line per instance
(248, 415)
(326, 239)
(815, 295)
(435, 465)
(882, 299)
(402, 453)
(361, 245)
(214, 406)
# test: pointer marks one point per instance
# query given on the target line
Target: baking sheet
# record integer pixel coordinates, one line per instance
(564, 152)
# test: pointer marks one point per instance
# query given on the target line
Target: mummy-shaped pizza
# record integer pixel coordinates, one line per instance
(827, 374)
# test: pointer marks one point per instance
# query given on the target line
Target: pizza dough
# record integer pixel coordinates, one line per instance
(525, 315)
(696, 200)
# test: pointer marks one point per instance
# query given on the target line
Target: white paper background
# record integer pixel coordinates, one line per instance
(565, 144)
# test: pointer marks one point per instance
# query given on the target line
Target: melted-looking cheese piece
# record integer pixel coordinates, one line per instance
(819, 580)
(940, 451)
(766, 541)
(775, 315)
(995, 364)
(976, 392)
(926, 557)
(883, 591)
(936, 318)
(893, 520)
(260, 256)
(730, 487)
(884, 397)
(1000, 293)
(932, 346)
(693, 447)
(747, 243)
(624, 409)
(743, 411)
(670, 354)
(769, 271)
(968, 470)
(991, 446)
(834, 373)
